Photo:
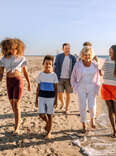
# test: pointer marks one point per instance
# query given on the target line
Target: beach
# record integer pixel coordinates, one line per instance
(66, 127)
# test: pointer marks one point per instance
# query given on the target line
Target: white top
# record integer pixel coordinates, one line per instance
(65, 68)
(47, 77)
(108, 68)
(88, 74)
(13, 63)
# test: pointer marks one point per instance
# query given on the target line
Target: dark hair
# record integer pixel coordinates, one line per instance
(48, 57)
(87, 44)
(114, 50)
(65, 44)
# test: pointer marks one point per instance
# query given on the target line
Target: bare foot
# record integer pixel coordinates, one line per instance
(48, 136)
(113, 135)
(61, 106)
(16, 132)
(93, 124)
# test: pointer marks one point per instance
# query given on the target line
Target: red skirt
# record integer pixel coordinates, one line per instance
(108, 92)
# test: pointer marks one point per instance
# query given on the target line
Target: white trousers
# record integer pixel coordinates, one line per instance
(87, 92)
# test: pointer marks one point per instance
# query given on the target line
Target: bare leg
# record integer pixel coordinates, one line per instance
(50, 119)
(12, 105)
(111, 115)
(93, 123)
(17, 114)
(67, 101)
(115, 115)
(44, 118)
(60, 94)
(84, 127)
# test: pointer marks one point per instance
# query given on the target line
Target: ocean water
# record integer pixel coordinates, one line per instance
(98, 142)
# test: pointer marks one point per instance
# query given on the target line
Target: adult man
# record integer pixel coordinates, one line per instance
(63, 67)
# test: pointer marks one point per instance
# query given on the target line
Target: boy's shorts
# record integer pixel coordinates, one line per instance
(46, 105)
(64, 84)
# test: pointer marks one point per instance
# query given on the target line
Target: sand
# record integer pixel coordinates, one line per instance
(31, 140)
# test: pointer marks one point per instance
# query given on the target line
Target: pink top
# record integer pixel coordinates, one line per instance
(77, 77)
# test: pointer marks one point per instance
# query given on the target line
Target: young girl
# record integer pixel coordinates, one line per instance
(108, 89)
(14, 62)
(85, 82)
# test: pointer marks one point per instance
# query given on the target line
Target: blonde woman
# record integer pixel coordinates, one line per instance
(14, 62)
(85, 82)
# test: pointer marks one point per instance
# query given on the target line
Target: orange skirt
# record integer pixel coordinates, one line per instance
(108, 92)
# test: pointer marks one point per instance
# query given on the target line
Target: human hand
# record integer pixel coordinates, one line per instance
(29, 87)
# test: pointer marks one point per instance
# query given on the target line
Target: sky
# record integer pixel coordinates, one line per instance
(44, 25)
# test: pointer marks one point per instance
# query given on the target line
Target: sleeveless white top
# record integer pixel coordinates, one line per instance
(13, 63)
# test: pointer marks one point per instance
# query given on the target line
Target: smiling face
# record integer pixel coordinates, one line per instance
(66, 49)
(111, 53)
(48, 66)
(87, 56)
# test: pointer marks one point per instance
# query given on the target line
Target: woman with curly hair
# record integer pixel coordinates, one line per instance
(14, 62)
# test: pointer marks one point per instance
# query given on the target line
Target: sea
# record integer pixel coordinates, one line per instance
(98, 142)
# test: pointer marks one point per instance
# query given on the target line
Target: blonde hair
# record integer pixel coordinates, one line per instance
(87, 50)
(20, 47)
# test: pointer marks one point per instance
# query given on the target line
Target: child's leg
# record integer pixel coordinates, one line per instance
(111, 115)
(16, 103)
(44, 117)
(11, 102)
(49, 125)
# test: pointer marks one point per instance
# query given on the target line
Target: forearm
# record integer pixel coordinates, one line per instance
(26, 75)
(37, 91)
(56, 95)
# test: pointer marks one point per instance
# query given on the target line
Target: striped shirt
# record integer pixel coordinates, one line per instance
(47, 81)
(108, 69)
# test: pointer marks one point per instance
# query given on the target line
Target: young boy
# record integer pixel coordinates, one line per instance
(47, 93)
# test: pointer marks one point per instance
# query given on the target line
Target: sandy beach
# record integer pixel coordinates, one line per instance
(30, 141)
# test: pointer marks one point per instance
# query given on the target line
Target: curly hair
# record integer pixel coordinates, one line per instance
(12, 43)
(6, 45)
(20, 47)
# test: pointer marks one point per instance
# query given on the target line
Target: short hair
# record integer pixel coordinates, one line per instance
(85, 50)
(65, 44)
(48, 57)
(87, 44)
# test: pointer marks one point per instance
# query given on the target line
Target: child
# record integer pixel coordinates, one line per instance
(47, 93)
(14, 62)
(108, 89)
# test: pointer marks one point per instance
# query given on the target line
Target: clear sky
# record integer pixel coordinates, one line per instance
(44, 25)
